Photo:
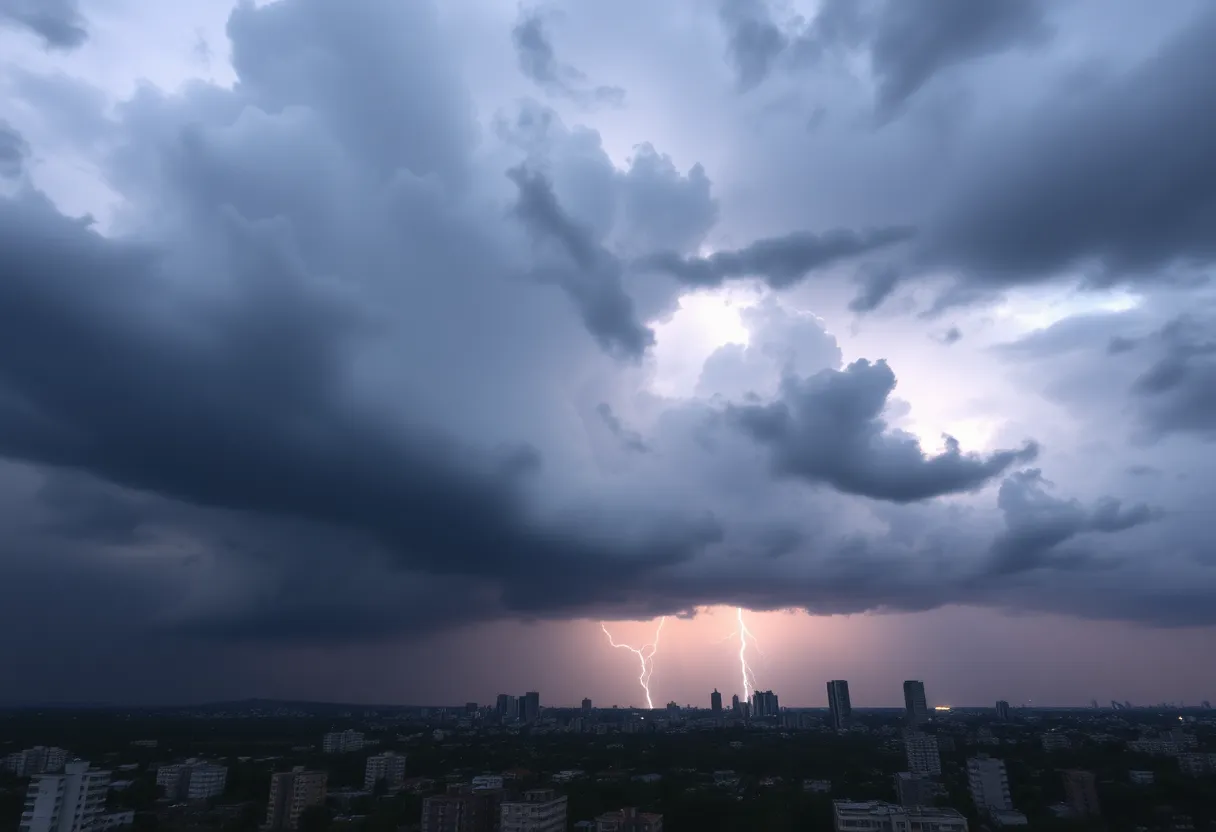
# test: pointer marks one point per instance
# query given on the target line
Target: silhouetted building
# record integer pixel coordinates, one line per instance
(507, 707)
(462, 809)
(291, 792)
(916, 707)
(735, 705)
(629, 820)
(838, 702)
(764, 703)
(541, 810)
(586, 706)
(529, 706)
(1002, 711)
(1081, 792)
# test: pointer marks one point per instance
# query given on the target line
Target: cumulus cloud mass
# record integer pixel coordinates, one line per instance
(400, 319)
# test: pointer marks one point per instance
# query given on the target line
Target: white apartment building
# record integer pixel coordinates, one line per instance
(924, 758)
(877, 816)
(37, 760)
(487, 781)
(541, 810)
(989, 784)
(341, 742)
(206, 780)
(192, 780)
(389, 767)
(69, 802)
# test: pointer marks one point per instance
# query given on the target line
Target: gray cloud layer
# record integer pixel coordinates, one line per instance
(349, 366)
(57, 22)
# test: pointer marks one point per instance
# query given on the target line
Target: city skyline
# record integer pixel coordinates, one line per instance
(875, 348)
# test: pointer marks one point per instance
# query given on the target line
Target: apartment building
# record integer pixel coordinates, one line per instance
(1081, 792)
(463, 809)
(341, 742)
(388, 767)
(989, 784)
(541, 810)
(924, 758)
(291, 792)
(877, 816)
(192, 780)
(37, 760)
(69, 802)
(629, 820)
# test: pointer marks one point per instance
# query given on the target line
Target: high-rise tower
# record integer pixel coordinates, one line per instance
(715, 702)
(838, 701)
(916, 707)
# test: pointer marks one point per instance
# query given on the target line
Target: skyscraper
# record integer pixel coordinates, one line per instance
(715, 702)
(838, 701)
(764, 703)
(1002, 711)
(587, 706)
(916, 707)
(734, 705)
(530, 706)
(68, 802)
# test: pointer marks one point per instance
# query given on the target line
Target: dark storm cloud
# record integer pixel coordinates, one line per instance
(57, 22)
(916, 39)
(829, 429)
(630, 439)
(326, 273)
(754, 40)
(13, 152)
(1177, 394)
(951, 336)
(592, 277)
(875, 285)
(1119, 182)
(908, 42)
(538, 61)
(242, 409)
(1037, 524)
(779, 261)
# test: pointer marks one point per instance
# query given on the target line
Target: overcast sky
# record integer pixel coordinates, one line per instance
(380, 350)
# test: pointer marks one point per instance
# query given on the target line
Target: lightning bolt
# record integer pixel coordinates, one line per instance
(749, 678)
(645, 655)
